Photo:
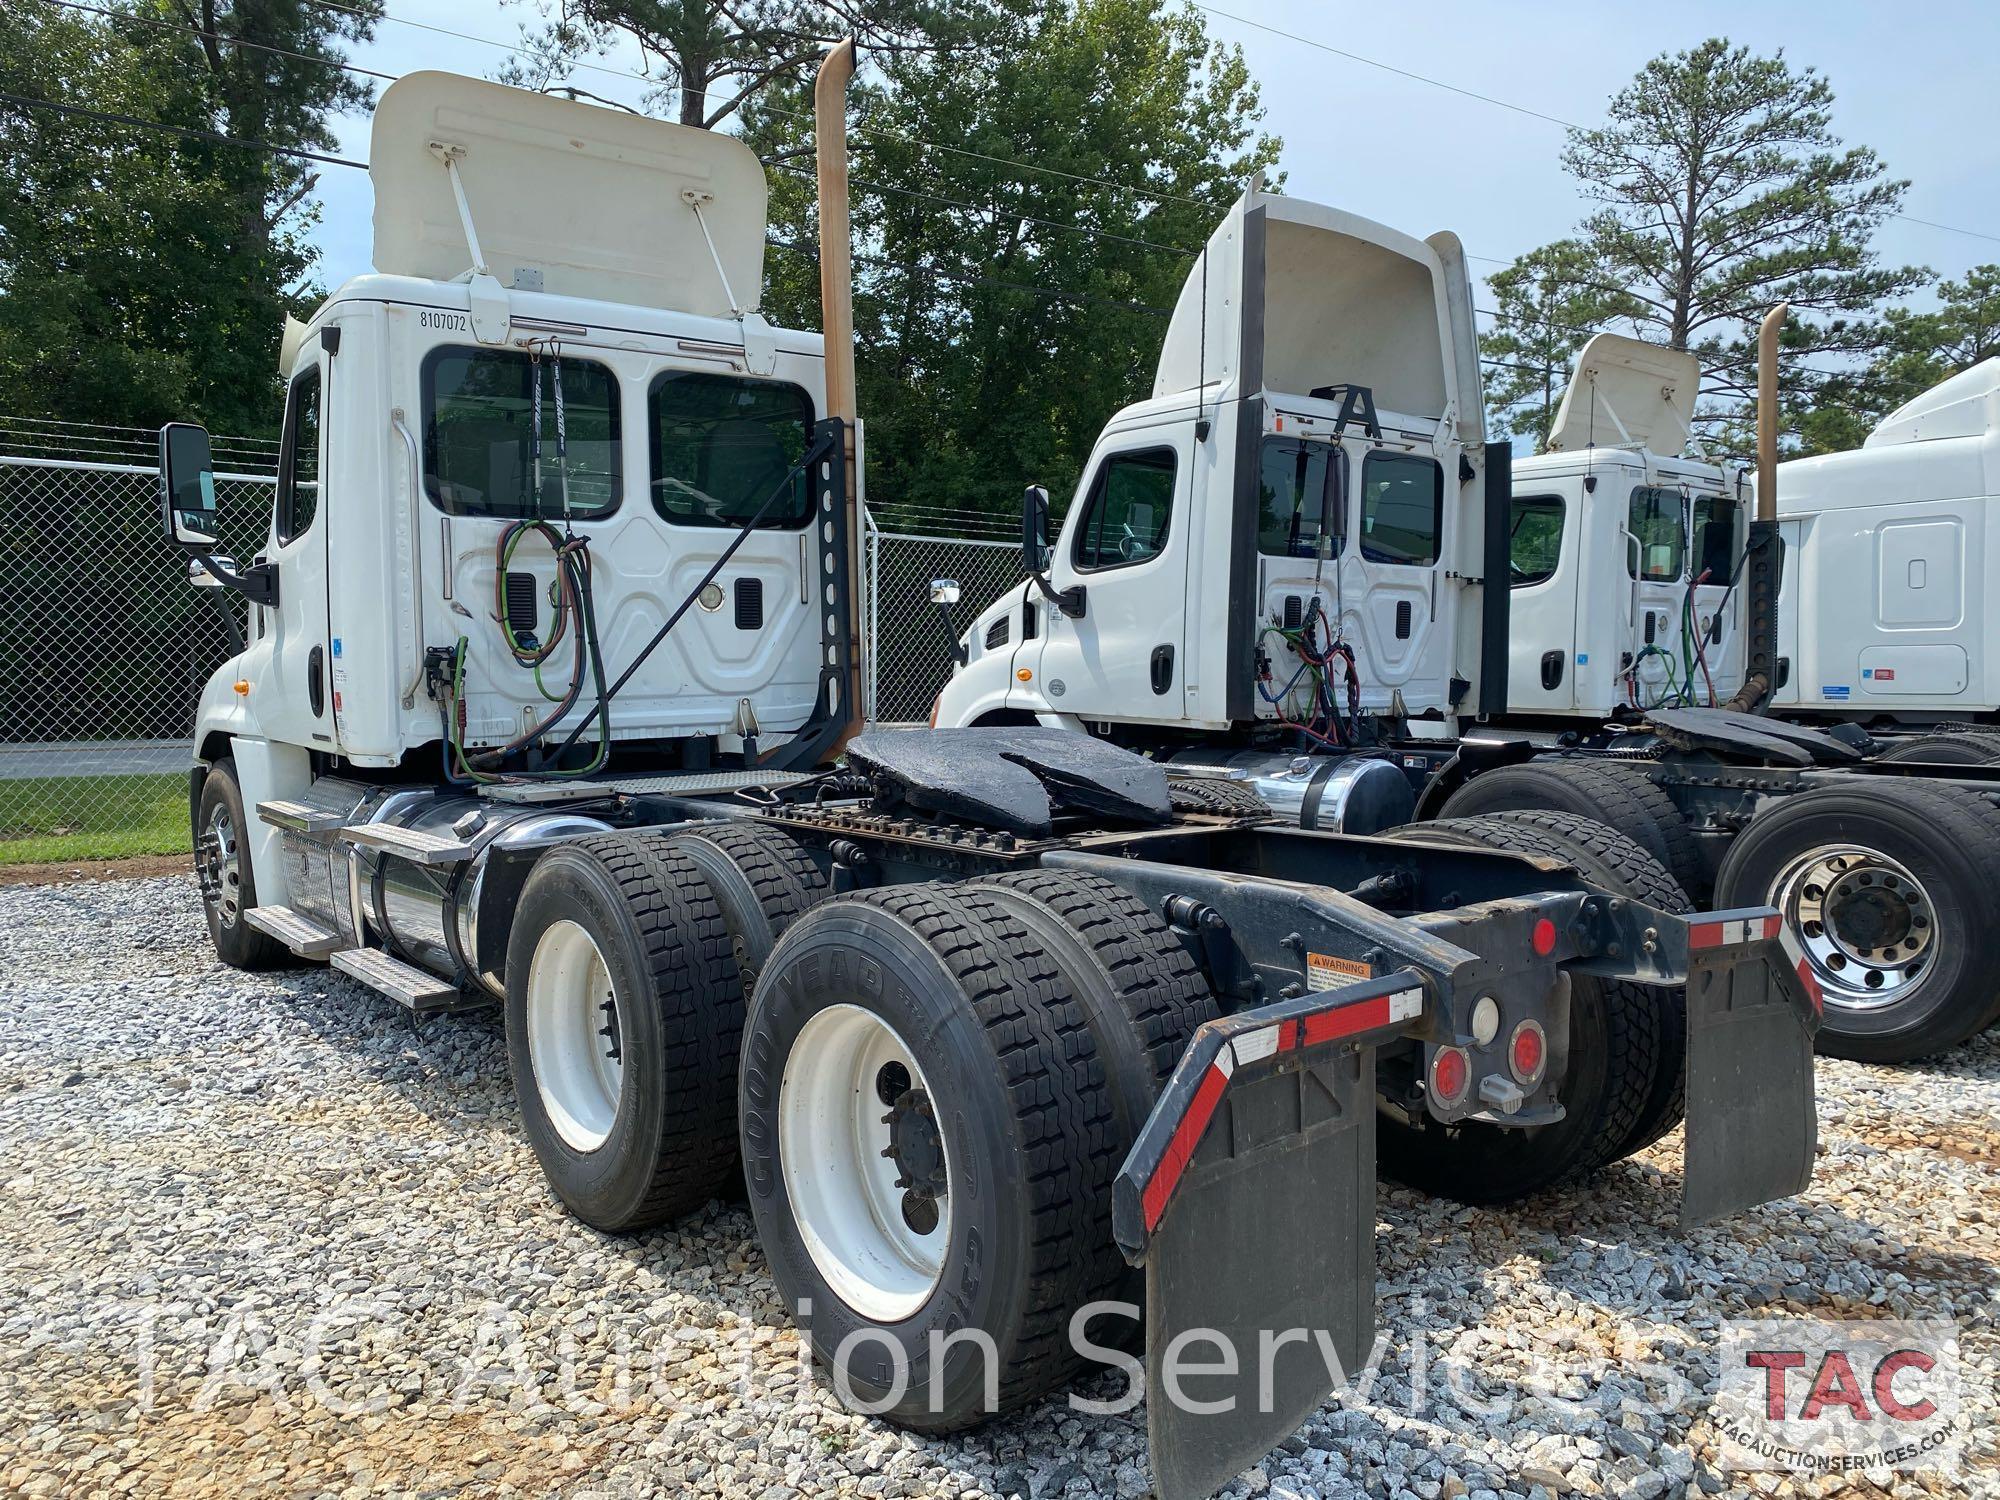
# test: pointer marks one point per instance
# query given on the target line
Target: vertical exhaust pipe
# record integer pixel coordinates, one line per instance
(1764, 556)
(836, 297)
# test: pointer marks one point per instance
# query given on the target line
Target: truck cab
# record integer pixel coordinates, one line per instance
(1887, 550)
(1623, 555)
(558, 357)
(1310, 463)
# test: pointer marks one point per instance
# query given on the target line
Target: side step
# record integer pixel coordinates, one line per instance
(409, 843)
(300, 817)
(425, 994)
(302, 935)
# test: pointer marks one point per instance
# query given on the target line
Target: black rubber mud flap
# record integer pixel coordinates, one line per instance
(1249, 1197)
(1752, 1013)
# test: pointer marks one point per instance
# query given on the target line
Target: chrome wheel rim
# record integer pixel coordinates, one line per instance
(864, 1162)
(575, 1036)
(1865, 923)
(223, 877)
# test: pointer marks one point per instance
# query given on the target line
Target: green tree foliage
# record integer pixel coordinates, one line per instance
(145, 275)
(1921, 349)
(1722, 190)
(712, 57)
(1002, 313)
(1548, 303)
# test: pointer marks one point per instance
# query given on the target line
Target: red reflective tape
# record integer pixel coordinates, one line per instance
(1180, 1150)
(1346, 1020)
(1813, 994)
(1704, 934)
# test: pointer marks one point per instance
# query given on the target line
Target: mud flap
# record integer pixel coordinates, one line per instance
(1249, 1197)
(1752, 1013)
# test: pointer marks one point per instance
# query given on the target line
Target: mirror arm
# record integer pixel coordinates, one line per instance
(1069, 601)
(258, 583)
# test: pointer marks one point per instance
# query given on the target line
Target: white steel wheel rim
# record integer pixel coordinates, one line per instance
(1866, 924)
(575, 1036)
(842, 1187)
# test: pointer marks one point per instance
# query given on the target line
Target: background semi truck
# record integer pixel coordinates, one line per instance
(1311, 597)
(538, 696)
(1625, 560)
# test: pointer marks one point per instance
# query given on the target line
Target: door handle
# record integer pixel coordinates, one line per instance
(1163, 669)
(1552, 670)
(316, 680)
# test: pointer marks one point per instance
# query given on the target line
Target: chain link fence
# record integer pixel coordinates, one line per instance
(910, 651)
(107, 645)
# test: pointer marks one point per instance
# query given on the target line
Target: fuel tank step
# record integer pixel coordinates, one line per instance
(300, 817)
(413, 844)
(423, 993)
(302, 935)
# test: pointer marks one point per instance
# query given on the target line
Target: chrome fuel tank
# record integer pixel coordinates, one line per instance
(1339, 793)
(429, 915)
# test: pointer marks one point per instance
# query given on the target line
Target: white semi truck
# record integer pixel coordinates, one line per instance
(1294, 589)
(537, 699)
(1625, 557)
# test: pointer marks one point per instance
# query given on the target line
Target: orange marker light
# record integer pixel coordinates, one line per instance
(242, 686)
(1025, 675)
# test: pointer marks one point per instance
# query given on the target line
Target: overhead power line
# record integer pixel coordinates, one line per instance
(185, 132)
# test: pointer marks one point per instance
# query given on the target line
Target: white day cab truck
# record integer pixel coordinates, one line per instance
(1291, 589)
(545, 696)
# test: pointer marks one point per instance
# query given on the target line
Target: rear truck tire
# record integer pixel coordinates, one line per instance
(929, 1144)
(623, 1016)
(228, 884)
(761, 877)
(1215, 796)
(1964, 747)
(1617, 793)
(1891, 889)
(1626, 1083)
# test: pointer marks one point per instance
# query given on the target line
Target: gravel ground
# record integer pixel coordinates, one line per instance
(258, 1235)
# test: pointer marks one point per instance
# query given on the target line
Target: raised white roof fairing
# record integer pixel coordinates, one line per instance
(1626, 393)
(592, 199)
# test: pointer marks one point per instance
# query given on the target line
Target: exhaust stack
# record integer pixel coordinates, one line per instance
(836, 296)
(1764, 557)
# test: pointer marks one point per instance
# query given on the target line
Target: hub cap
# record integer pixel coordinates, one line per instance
(220, 866)
(865, 1163)
(575, 1038)
(1867, 925)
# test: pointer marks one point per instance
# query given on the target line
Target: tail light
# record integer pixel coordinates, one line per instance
(1450, 1075)
(1528, 1054)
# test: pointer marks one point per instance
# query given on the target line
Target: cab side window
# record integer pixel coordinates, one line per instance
(1402, 509)
(1658, 522)
(298, 458)
(1535, 536)
(1127, 511)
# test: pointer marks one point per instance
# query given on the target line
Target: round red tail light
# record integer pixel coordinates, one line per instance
(1451, 1074)
(1528, 1054)
(1543, 937)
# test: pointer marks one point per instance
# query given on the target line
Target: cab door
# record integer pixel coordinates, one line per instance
(1126, 546)
(1391, 581)
(1542, 568)
(1656, 570)
(298, 705)
(1718, 534)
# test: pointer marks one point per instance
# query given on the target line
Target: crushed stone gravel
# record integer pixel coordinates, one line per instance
(259, 1235)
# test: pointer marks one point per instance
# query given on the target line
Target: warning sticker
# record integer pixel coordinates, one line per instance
(1325, 972)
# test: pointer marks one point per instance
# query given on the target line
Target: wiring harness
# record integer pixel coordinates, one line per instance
(1322, 721)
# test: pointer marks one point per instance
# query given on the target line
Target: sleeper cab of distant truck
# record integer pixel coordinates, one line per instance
(1623, 556)
(410, 446)
(1890, 549)
(1314, 428)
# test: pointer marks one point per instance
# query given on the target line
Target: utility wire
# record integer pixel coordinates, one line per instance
(185, 132)
(221, 38)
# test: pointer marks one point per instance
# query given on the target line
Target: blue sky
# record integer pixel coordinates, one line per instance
(1420, 158)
